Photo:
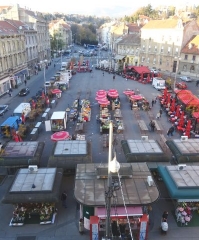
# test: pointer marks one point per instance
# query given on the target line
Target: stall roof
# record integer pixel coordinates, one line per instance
(140, 146)
(36, 181)
(70, 148)
(58, 115)
(43, 192)
(90, 189)
(10, 121)
(119, 57)
(181, 184)
(141, 70)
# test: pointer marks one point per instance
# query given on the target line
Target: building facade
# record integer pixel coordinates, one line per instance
(13, 70)
(162, 41)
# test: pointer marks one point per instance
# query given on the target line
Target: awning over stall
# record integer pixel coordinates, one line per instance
(141, 70)
(119, 211)
(119, 57)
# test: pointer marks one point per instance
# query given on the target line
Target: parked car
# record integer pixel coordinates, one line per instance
(154, 70)
(24, 91)
(3, 109)
(47, 84)
(186, 79)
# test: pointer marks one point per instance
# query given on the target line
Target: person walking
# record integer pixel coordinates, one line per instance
(63, 199)
(152, 125)
(113, 77)
(171, 131)
(197, 83)
(103, 73)
(152, 102)
(25, 82)
(158, 115)
(165, 215)
(160, 112)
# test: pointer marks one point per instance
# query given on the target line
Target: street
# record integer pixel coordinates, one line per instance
(84, 86)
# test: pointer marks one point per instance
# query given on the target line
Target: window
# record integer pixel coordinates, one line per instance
(169, 50)
(148, 60)
(162, 49)
(155, 49)
(185, 68)
(149, 48)
(193, 58)
(143, 58)
(160, 61)
(185, 57)
(143, 47)
(154, 61)
(192, 68)
(176, 51)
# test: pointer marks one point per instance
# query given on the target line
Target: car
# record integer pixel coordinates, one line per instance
(3, 109)
(47, 84)
(186, 79)
(24, 91)
(154, 70)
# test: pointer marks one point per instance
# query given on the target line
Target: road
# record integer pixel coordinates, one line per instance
(85, 85)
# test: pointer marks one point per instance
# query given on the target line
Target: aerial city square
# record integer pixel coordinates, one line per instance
(99, 120)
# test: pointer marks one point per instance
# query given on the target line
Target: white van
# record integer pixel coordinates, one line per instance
(158, 83)
(22, 108)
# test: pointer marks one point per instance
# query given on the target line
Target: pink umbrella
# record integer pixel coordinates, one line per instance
(100, 98)
(101, 92)
(129, 92)
(101, 95)
(136, 97)
(59, 136)
(112, 90)
(55, 91)
(113, 94)
(104, 102)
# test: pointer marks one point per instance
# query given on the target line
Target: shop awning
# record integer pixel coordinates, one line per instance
(141, 70)
(119, 57)
(22, 72)
(119, 211)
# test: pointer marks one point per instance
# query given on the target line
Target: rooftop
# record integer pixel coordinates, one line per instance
(91, 183)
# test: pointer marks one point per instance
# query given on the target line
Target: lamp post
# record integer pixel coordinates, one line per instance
(177, 66)
(113, 167)
(44, 66)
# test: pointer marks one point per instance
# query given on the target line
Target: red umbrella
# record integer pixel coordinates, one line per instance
(181, 121)
(129, 92)
(113, 94)
(55, 91)
(59, 136)
(188, 129)
(173, 105)
(104, 102)
(177, 111)
(136, 97)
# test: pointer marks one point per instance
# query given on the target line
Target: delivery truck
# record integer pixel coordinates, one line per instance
(158, 83)
(22, 108)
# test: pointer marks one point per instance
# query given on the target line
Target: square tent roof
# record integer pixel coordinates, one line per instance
(10, 121)
(141, 69)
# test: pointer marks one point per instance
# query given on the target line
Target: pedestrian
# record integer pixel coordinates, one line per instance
(54, 65)
(158, 115)
(152, 102)
(160, 112)
(113, 77)
(103, 73)
(81, 226)
(152, 125)
(74, 119)
(197, 83)
(165, 215)
(63, 199)
(25, 82)
(171, 131)
(10, 92)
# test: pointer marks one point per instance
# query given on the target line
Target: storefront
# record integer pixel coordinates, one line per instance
(20, 76)
(138, 193)
(5, 85)
(183, 186)
(34, 193)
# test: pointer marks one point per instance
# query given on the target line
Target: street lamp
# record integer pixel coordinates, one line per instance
(44, 66)
(177, 66)
(113, 167)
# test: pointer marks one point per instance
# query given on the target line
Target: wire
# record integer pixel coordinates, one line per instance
(125, 205)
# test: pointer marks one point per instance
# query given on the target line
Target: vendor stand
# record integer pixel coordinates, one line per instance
(10, 124)
(183, 189)
(34, 194)
(21, 154)
(85, 114)
(67, 154)
(58, 121)
(92, 198)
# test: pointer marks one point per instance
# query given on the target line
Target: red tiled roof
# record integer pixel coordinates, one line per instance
(7, 29)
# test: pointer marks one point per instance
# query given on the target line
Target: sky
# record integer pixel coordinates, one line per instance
(112, 8)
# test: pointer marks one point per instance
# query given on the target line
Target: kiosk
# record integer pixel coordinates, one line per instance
(58, 121)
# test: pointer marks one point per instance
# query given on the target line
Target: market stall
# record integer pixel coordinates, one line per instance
(21, 154)
(85, 113)
(58, 121)
(10, 124)
(34, 193)
(67, 154)
(143, 151)
(183, 190)
(184, 151)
